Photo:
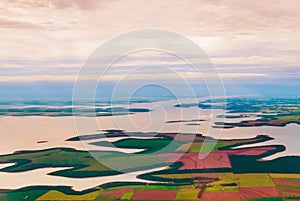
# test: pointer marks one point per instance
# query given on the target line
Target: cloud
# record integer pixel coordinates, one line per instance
(57, 4)
(34, 78)
(7, 23)
(243, 38)
(180, 76)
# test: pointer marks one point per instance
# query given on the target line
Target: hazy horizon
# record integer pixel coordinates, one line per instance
(255, 47)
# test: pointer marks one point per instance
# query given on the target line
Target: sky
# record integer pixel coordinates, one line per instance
(44, 43)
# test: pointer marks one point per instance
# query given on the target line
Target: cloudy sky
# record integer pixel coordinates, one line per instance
(248, 41)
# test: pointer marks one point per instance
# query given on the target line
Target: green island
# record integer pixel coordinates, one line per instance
(68, 111)
(269, 111)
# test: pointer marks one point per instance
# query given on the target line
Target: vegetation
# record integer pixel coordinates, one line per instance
(227, 173)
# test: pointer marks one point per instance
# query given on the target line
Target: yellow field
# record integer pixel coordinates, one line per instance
(56, 195)
(187, 194)
(247, 180)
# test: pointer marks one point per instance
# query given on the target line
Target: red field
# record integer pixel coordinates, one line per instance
(294, 182)
(116, 193)
(192, 161)
(217, 159)
(282, 181)
(250, 151)
(277, 121)
(154, 195)
(290, 192)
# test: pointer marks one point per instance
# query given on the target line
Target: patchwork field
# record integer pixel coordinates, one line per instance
(226, 173)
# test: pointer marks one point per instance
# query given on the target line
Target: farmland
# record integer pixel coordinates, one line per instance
(228, 172)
